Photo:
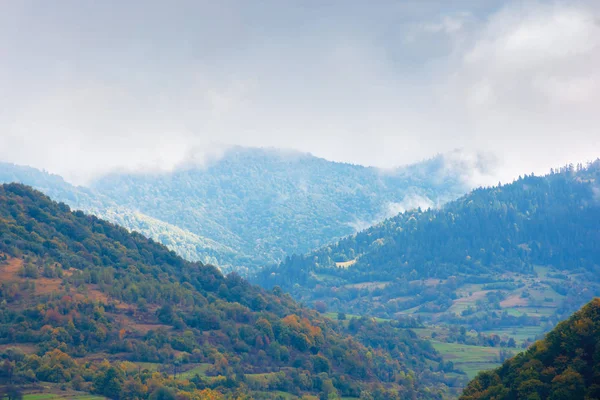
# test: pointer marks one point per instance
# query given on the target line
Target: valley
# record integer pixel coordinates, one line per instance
(299, 200)
(87, 306)
(254, 206)
(481, 276)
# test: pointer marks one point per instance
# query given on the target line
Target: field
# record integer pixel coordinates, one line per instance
(470, 359)
(197, 370)
(520, 334)
(469, 300)
(334, 316)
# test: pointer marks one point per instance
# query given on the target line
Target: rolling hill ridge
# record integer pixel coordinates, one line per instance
(510, 257)
(87, 306)
(253, 207)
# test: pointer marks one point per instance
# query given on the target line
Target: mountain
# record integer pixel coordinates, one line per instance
(188, 245)
(510, 257)
(265, 203)
(87, 306)
(253, 207)
(565, 365)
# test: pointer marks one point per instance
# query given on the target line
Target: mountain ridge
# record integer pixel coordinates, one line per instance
(252, 207)
(76, 289)
(513, 256)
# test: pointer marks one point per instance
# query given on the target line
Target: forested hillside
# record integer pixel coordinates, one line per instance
(87, 306)
(255, 206)
(521, 254)
(188, 245)
(565, 365)
(267, 204)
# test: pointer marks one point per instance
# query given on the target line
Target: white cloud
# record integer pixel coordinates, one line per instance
(529, 83)
(519, 80)
(410, 202)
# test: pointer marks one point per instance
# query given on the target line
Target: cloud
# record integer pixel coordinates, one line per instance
(384, 84)
(528, 84)
(474, 169)
(410, 202)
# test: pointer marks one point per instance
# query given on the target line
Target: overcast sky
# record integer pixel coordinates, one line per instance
(89, 86)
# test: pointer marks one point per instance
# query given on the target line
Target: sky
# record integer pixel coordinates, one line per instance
(87, 87)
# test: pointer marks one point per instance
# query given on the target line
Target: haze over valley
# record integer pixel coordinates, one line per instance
(299, 200)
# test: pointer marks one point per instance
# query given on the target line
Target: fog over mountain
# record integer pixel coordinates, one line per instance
(90, 87)
(299, 199)
(253, 206)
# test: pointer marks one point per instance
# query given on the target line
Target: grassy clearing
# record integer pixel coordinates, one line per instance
(148, 365)
(520, 334)
(543, 271)
(470, 300)
(326, 278)
(410, 310)
(200, 370)
(470, 359)
(367, 285)
(264, 379)
(425, 333)
(334, 316)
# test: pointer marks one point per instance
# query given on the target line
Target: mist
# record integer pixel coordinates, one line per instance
(91, 87)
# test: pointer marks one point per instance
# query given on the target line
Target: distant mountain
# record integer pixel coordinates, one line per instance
(565, 365)
(87, 306)
(253, 207)
(522, 254)
(192, 247)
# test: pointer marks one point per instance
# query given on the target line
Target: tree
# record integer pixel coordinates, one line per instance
(11, 392)
(568, 385)
(321, 307)
(162, 393)
(109, 383)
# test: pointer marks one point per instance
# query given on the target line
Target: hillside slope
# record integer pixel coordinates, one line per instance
(520, 254)
(565, 365)
(266, 203)
(76, 290)
(252, 207)
(188, 245)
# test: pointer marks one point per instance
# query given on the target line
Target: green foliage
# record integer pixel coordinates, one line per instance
(564, 365)
(252, 206)
(419, 260)
(108, 293)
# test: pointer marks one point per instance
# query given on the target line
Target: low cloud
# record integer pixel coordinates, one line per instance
(385, 85)
(410, 202)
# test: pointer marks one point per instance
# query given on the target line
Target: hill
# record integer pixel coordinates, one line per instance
(562, 366)
(496, 261)
(265, 203)
(87, 306)
(253, 207)
(188, 245)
